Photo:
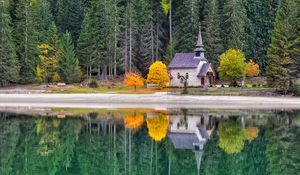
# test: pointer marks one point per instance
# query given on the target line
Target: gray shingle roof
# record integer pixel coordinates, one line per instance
(184, 60)
(204, 70)
(203, 132)
(183, 141)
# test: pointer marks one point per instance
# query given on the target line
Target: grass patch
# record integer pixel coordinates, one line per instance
(247, 91)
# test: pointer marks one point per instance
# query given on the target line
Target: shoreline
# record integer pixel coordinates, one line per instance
(155, 101)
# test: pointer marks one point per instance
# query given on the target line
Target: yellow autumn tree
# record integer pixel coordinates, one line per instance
(133, 122)
(232, 66)
(158, 74)
(231, 137)
(133, 80)
(252, 69)
(47, 70)
(251, 133)
(158, 127)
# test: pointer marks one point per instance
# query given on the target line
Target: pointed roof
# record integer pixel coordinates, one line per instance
(200, 46)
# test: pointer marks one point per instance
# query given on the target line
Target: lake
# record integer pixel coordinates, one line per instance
(42, 141)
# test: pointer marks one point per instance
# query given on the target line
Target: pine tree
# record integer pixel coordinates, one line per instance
(43, 18)
(69, 17)
(9, 69)
(26, 41)
(97, 38)
(234, 23)
(186, 25)
(85, 45)
(50, 51)
(102, 35)
(211, 32)
(69, 70)
(261, 16)
(282, 53)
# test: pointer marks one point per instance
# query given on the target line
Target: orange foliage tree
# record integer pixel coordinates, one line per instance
(252, 69)
(133, 80)
(251, 133)
(133, 121)
(157, 127)
(158, 74)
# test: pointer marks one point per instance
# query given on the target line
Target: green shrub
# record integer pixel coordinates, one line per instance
(94, 84)
(295, 89)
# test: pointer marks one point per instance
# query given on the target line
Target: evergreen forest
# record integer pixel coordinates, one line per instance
(69, 40)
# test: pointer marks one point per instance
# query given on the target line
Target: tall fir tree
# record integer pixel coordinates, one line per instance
(212, 32)
(50, 52)
(41, 12)
(234, 25)
(85, 45)
(186, 25)
(283, 52)
(69, 17)
(9, 66)
(97, 40)
(26, 41)
(261, 16)
(69, 70)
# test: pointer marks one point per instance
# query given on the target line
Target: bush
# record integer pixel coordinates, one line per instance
(295, 89)
(94, 84)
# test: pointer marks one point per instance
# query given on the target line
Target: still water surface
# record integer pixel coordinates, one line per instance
(149, 142)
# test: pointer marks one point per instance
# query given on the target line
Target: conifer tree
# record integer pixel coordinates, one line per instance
(50, 51)
(211, 32)
(26, 41)
(186, 25)
(234, 23)
(84, 47)
(261, 16)
(69, 70)
(69, 17)
(42, 18)
(9, 69)
(283, 51)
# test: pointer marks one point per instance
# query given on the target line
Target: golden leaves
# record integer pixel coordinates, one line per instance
(134, 121)
(133, 80)
(251, 133)
(252, 69)
(158, 74)
(158, 127)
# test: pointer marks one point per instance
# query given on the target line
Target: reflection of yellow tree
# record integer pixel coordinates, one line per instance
(231, 137)
(133, 121)
(251, 133)
(157, 127)
(49, 140)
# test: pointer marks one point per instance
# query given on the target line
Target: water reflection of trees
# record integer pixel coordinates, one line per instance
(100, 144)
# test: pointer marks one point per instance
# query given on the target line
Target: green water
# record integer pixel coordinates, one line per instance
(150, 142)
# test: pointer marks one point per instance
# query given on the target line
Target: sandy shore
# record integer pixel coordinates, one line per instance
(156, 101)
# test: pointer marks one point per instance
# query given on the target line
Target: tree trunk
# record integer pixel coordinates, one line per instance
(115, 46)
(152, 38)
(171, 32)
(157, 41)
(130, 43)
(99, 72)
(126, 48)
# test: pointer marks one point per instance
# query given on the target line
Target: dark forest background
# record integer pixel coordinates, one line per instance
(109, 37)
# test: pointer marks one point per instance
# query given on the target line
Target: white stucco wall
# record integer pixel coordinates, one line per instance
(193, 79)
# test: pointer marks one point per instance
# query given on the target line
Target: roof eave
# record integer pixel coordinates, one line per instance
(182, 67)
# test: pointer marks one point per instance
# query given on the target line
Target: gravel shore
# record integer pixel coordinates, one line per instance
(158, 100)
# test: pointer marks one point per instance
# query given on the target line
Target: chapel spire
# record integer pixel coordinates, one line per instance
(199, 51)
